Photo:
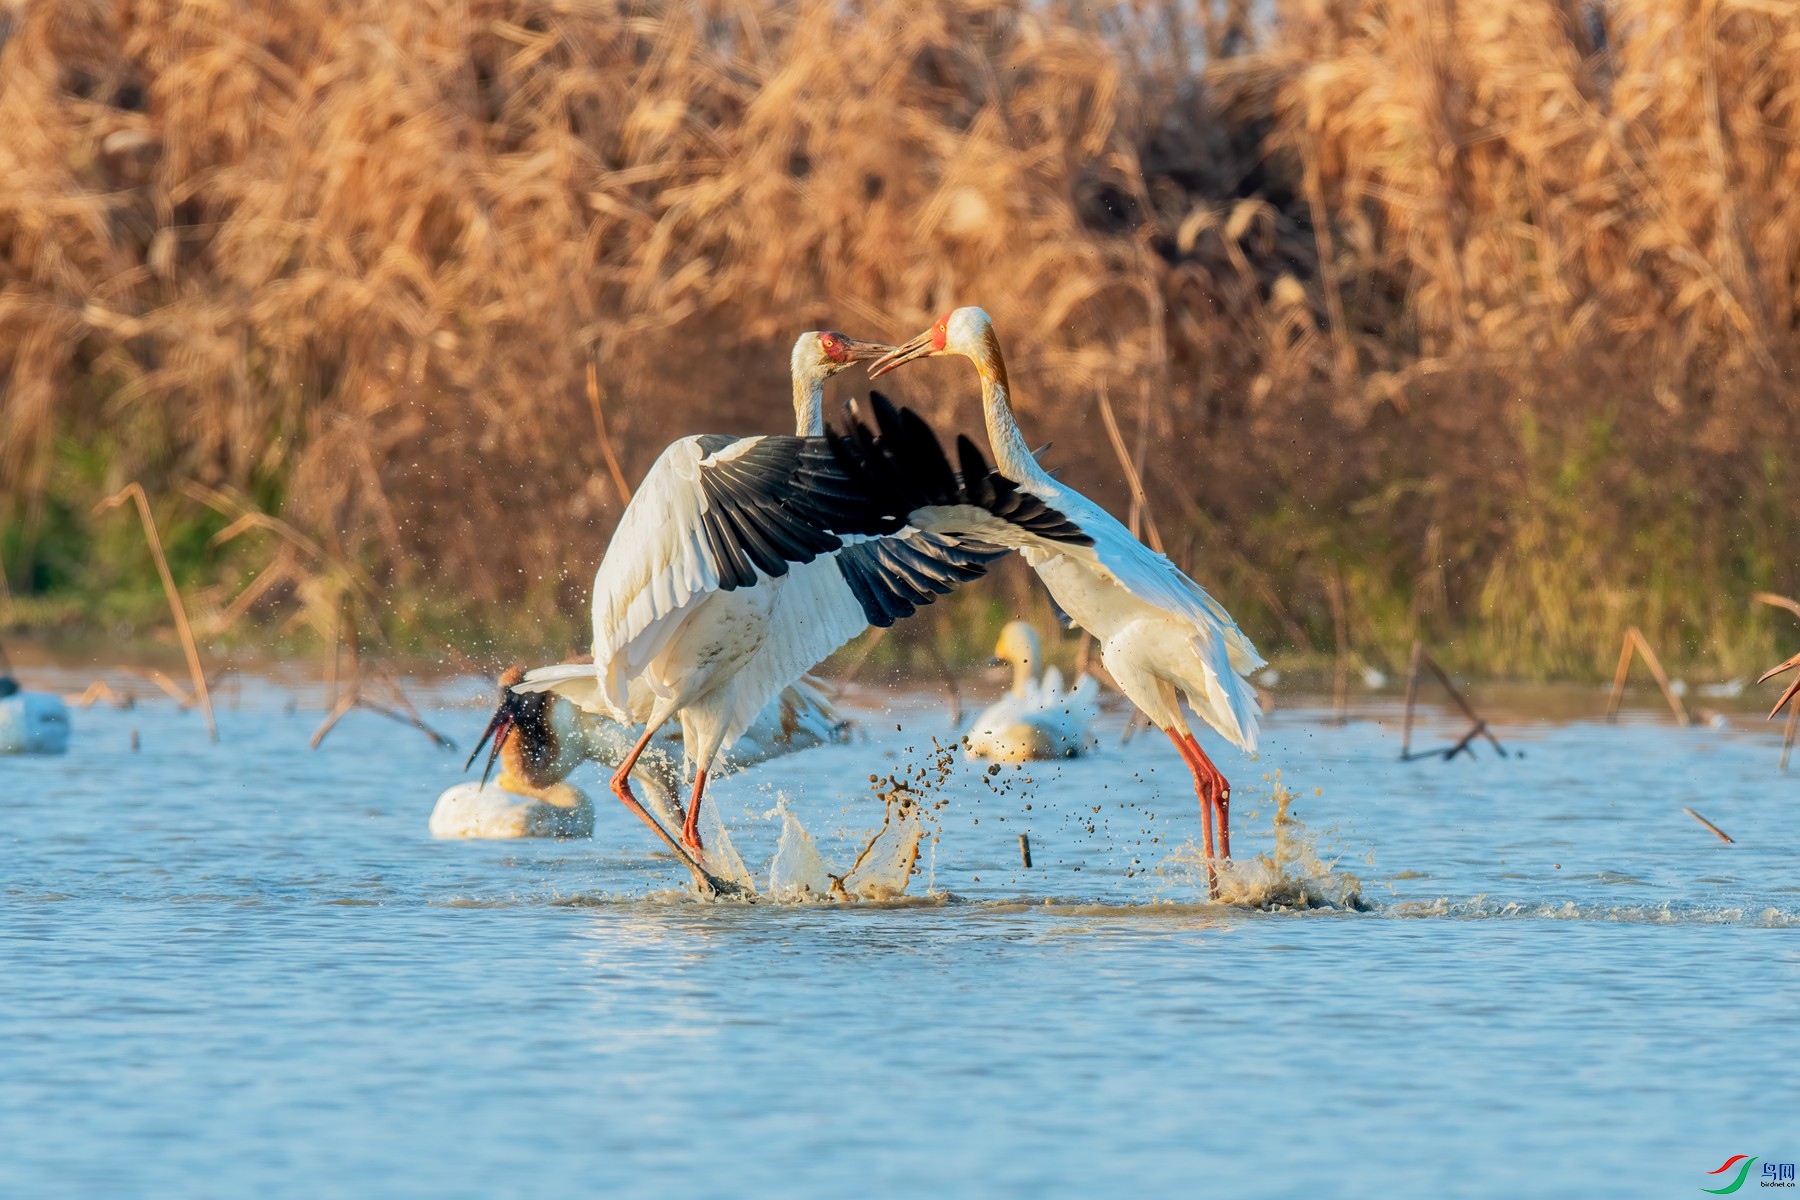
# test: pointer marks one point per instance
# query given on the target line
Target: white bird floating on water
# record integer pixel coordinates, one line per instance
(742, 562)
(32, 722)
(1036, 719)
(539, 739)
(1161, 636)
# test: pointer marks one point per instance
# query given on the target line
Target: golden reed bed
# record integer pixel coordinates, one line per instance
(1479, 317)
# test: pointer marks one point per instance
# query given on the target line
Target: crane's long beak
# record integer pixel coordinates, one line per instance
(1793, 687)
(857, 350)
(499, 727)
(919, 347)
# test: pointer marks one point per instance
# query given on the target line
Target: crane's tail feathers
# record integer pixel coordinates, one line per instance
(1231, 697)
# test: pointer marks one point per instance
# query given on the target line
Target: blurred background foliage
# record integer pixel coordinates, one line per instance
(1469, 321)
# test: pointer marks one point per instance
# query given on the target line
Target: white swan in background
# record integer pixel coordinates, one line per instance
(540, 738)
(31, 722)
(1036, 718)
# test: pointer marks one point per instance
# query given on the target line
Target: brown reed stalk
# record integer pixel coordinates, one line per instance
(1140, 503)
(134, 491)
(622, 488)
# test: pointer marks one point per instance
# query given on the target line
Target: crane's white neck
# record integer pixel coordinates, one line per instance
(1011, 454)
(809, 403)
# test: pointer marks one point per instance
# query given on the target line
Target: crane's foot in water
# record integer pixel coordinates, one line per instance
(705, 882)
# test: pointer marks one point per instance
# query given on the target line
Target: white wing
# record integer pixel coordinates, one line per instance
(574, 682)
(1145, 573)
(656, 566)
(817, 614)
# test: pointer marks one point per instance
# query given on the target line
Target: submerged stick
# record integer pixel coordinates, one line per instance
(1617, 694)
(1412, 697)
(1634, 640)
(1475, 731)
(345, 703)
(135, 491)
(1462, 703)
(1723, 836)
(1662, 679)
(1478, 726)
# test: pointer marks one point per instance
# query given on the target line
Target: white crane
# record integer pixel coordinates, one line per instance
(742, 562)
(1161, 636)
(1036, 719)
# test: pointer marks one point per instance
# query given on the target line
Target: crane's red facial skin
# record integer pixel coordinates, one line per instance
(940, 333)
(833, 345)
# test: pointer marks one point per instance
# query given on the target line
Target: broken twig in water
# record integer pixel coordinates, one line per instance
(135, 491)
(97, 692)
(1025, 852)
(347, 695)
(1723, 836)
(1478, 726)
(1634, 641)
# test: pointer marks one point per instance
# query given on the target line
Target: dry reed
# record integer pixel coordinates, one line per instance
(1495, 305)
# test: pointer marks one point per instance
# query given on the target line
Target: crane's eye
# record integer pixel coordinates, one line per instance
(941, 333)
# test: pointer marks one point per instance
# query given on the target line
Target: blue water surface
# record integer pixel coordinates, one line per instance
(248, 969)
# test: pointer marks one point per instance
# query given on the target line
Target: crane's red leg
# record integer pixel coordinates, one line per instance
(690, 829)
(1221, 793)
(621, 785)
(1202, 789)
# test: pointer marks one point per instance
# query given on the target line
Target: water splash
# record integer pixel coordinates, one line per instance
(797, 872)
(1290, 877)
(885, 866)
(722, 858)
